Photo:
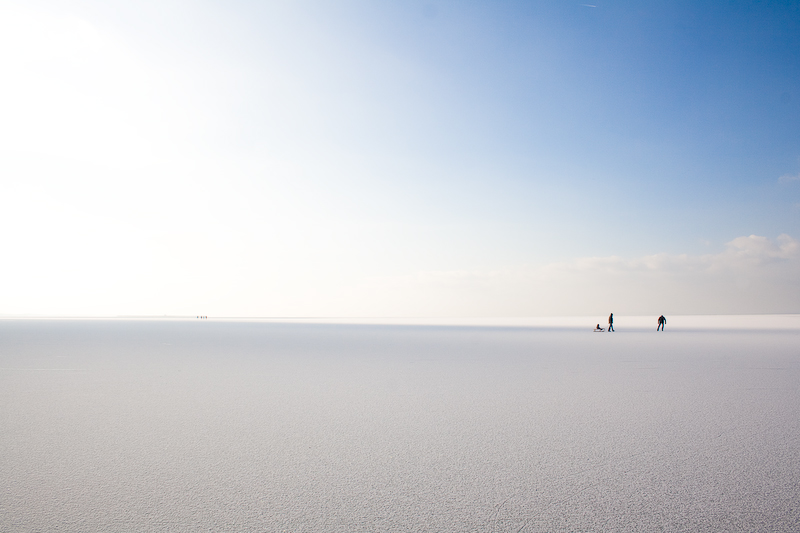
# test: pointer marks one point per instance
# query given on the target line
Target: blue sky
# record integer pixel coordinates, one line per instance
(401, 158)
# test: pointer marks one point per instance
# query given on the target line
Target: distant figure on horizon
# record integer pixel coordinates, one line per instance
(598, 328)
(611, 322)
(661, 322)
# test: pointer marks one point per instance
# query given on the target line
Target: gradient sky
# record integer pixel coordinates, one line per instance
(399, 158)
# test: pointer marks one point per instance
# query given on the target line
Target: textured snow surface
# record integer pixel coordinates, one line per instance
(249, 426)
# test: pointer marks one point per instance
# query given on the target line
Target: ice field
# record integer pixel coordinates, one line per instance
(194, 425)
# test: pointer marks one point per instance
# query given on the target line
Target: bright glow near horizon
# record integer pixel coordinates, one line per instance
(402, 159)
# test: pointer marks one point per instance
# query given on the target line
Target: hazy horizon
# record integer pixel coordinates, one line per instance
(623, 323)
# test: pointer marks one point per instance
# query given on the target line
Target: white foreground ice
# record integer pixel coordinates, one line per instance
(257, 426)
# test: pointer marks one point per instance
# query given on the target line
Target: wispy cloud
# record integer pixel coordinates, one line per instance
(753, 274)
(788, 178)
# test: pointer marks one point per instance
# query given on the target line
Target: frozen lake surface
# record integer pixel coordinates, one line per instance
(126, 425)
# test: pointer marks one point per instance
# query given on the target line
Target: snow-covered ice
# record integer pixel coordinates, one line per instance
(137, 425)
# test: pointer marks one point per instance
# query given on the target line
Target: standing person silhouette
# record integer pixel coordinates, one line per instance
(661, 323)
(611, 322)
